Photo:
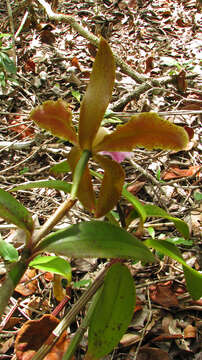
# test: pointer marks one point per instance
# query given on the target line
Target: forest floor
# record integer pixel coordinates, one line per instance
(159, 39)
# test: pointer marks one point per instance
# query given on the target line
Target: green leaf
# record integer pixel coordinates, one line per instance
(81, 283)
(85, 192)
(7, 251)
(54, 264)
(49, 184)
(14, 212)
(181, 226)
(180, 241)
(113, 312)
(151, 232)
(136, 204)
(96, 239)
(198, 196)
(193, 277)
(24, 170)
(5, 35)
(76, 94)
(8, 64)
(62, 167)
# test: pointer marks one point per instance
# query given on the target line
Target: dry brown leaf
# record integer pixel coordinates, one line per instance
(6, 345)
(181, 81)
(27, 286)
(34, 333)
(163, 295)
(175, 172)
(190, 332)
(150, 353)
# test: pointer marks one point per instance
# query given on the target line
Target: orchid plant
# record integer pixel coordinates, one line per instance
(93, 238)
(144, 130)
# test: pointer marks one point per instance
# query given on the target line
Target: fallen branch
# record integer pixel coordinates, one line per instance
(126, 69)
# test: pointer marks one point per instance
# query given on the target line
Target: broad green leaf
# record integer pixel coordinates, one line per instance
(49, 184)
(145, 130)
(96, 239)
(181, 226)
(14, 212)
(193, 277)
(139, 208)
(85, 192)
(62, 167)
(56, 117)
(97, 96)
(111, 186)
(113, 312)
(54, 264)
(7, 251)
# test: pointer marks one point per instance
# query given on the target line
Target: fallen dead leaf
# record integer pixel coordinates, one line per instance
(190, 332)
(27, 286)
(176, 173)
(34, 333)
(150, 353)
(163, 295)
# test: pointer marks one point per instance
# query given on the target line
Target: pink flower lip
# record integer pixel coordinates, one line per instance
(118, 156)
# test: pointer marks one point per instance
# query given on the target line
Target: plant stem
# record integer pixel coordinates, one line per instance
(77, 307)
(12, 279)
(81, 330)
(54, 219)
(79, 170)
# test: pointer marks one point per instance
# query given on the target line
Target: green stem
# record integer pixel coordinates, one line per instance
(79, 170)
(12, 279)
(81, 330)
(69, 317)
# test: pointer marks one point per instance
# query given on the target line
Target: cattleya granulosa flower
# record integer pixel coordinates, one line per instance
(144, 130)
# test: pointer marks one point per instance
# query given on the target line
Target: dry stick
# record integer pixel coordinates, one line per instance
(66, 321)
(126, 69)
(145, 327)
(135, 94)
(22, 24)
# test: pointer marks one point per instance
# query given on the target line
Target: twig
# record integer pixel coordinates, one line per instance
(22, 24)
(149, 176)
(145, 327)
(20, 163)
(16, 145)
